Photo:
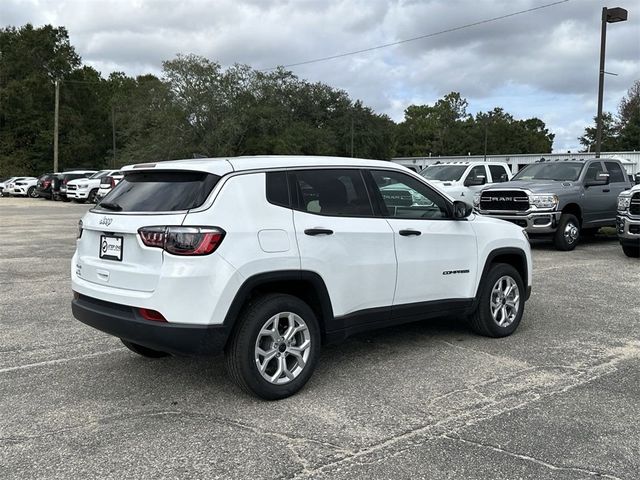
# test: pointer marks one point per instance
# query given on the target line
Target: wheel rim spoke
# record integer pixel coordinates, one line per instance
(504, 301)
(282, 348)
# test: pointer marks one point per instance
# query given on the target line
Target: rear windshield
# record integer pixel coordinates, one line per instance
(159, 191)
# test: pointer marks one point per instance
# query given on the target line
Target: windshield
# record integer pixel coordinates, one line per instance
(565, 171)
(100, 174)
(160, 191)
(447, 173)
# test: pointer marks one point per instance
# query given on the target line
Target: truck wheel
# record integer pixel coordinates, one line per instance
(274, 348)
(143, 351)
(633, 252)
(92, 195)
(500, 302)
(568, 233)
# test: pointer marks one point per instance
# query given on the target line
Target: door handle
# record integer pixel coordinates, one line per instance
(606, 190)
(318, 231)
(408, 233)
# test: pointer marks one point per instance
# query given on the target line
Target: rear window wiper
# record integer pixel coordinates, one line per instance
(110, 206)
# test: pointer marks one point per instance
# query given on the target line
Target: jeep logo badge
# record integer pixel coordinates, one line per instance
(106, 221)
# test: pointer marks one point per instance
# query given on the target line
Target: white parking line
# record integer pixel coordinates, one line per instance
(60, 360)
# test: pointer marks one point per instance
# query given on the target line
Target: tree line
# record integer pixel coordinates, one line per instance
(196, 107)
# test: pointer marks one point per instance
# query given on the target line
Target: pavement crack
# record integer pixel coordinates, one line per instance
(59, 360)
(529, 458)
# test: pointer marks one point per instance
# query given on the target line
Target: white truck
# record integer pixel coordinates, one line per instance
(461, 180)
(86, 189)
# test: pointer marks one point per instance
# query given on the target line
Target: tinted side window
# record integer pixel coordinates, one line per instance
(498, 173)
(592, 172)
(332, 192)
(277, 189)
(405, 197)
(476, 172)
(617, 175)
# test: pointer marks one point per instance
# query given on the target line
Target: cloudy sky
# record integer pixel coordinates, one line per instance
(543, 63)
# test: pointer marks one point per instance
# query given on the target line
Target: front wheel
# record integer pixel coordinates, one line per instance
(143, 351)
(568, 233)
(92, 195)
(500, 302)
(275, 347)
(633, 252)
(32, 192)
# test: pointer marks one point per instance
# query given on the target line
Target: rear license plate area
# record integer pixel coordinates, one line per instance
(111, 247)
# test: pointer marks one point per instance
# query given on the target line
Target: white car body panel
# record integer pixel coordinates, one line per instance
(20, 187)
(81, 188)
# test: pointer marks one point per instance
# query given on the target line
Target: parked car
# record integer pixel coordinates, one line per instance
(86, 189)
(461, 180)
(44, 185)
(561, 199)
(107, 183)
(267, 258)
(24, 187)
(628, 221)
(59, 182)
(4, 186)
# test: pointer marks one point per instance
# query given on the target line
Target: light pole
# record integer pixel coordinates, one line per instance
(609, 15)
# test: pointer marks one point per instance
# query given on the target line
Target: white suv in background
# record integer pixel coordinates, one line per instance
(461, 180)
(268, 258)
(86, 189)
(23, 187)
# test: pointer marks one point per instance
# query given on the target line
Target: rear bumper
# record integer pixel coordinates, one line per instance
(123, 321)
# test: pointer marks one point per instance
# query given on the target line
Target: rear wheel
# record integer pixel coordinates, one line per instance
(633, 252)
(568, 233)
(275, 347)
(500, 302)
(143, 351)
(92, 195)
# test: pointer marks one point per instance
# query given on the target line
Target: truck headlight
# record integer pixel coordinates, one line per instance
(544, 200)
(476, 200)
(623, 203)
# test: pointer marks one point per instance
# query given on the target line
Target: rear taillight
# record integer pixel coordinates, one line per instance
(113, 182)
(183, 240)
(79, 229)
(46, 183)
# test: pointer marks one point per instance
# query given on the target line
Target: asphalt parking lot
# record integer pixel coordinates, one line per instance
(560, 399)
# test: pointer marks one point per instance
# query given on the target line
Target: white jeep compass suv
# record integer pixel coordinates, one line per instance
(268, 258)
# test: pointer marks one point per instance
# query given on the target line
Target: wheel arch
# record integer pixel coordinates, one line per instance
(574, 209)
(305, 285)
(513, 256)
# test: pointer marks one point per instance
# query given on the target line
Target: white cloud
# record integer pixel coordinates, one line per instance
(544, 63)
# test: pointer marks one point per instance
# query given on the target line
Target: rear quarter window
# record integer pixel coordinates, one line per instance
(157, 191)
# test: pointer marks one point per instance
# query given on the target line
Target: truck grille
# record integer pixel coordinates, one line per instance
(71, 188)
(634, 208)
(515, 200)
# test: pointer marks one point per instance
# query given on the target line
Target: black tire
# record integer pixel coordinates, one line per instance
(481, 321)
(92, 196)
(568, 234)
(240, 350)
(31, 192)
(143, 351)
(633, 252)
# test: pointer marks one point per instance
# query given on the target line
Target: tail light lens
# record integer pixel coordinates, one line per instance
(112, 181)
(79, 229)
(190, 241)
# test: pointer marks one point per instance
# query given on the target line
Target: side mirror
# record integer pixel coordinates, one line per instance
(461, 209)
(637, 179)
(475, 181)
(601, 179)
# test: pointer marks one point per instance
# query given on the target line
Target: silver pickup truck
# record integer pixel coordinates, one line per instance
(628, 221)
(562, 199)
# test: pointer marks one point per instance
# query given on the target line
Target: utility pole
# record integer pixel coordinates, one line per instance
(609, 15)
(486, 134)
(113, 133)
(55, 128)
(351, 136)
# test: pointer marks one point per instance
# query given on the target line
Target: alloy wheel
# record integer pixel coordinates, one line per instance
(505, 301)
